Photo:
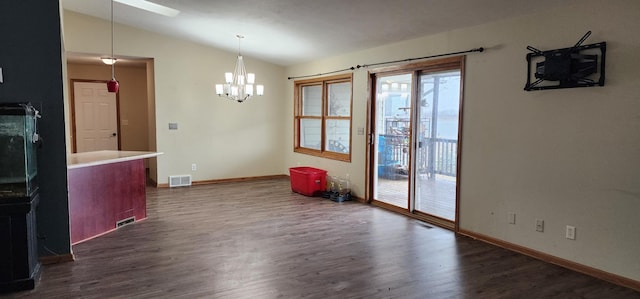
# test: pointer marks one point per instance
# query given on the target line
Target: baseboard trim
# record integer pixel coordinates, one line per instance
(243, 179)
(56, 259)
(597, 273)
(359, 199)
(253, 178)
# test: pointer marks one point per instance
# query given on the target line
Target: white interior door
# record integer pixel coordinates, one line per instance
(96, 117)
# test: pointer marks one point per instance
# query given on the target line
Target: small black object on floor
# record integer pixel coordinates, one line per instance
(336, 196)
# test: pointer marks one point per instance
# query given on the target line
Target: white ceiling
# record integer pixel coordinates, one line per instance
(287, 32)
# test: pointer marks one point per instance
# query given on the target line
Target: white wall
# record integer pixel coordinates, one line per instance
(569, 156)
(225, 139)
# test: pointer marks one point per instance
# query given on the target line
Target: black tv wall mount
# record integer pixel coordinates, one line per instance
(576, 66)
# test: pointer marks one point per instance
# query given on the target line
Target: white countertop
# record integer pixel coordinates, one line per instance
(78, 160)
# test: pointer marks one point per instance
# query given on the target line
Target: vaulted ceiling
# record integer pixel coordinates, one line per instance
(287, 32)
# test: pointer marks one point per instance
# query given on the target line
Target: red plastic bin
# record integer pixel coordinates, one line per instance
(308, 181)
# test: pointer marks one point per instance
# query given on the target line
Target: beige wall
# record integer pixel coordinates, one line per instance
(132, 98)
(225, 139)
(569, 156)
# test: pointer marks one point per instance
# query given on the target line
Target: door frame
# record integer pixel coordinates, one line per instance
(72, 105)
(455, 62)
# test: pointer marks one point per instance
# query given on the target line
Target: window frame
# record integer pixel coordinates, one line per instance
(323, 152)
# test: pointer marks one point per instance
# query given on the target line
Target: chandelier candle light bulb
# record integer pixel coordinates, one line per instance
(239, 84)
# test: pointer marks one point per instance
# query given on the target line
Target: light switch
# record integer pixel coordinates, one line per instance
(173, 126)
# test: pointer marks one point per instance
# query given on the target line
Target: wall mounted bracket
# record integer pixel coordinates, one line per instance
(576, 66)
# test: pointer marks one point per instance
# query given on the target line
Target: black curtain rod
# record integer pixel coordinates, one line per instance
(481, 49)
(322, 74)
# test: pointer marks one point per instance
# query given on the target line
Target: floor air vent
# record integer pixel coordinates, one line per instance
(125, 221)
(424, 224)
(179, 180)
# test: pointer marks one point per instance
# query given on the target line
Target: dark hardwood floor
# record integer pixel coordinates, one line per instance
(257, 239)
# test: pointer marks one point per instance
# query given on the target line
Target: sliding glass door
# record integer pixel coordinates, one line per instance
(414, 139)
(437, 143)
(392, 136)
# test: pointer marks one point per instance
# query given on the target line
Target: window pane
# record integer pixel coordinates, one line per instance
(340, 99)
(338, 136)
(312, 100)
(310, 133)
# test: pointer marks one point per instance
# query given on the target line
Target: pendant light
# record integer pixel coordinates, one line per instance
(112, 85)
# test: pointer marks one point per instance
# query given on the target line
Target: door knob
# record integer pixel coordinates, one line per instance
(114, 134)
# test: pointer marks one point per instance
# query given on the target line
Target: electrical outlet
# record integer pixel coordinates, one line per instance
(511, 218)
(194, 167)
(539, 225)
(571, 232)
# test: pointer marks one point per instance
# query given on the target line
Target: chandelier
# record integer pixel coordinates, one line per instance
(239, 85)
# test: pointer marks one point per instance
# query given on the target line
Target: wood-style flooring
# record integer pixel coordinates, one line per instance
(257, 239)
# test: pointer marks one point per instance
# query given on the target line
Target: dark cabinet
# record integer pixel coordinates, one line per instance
(19, 266)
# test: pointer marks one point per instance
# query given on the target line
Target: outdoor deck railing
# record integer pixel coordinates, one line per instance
(434, 155)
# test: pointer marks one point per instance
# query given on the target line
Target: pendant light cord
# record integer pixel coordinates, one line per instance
(113, 75)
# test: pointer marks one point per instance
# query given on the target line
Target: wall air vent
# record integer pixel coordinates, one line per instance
(125, 221)
(179, 180)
